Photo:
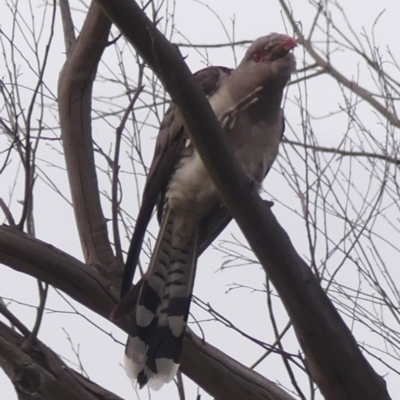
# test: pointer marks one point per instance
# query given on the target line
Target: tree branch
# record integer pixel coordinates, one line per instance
(31, 256)
(224, 377)
(41, 372)
(344, 153)
(328, 68)
(74, 101)
(213, 370)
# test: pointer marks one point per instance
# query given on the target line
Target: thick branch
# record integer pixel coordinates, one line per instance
(337, 364)
(40, 373)
(74, 100)
(243, 382)
(31, 256)
(205, 364)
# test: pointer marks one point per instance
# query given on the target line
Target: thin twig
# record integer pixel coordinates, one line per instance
(28, 342)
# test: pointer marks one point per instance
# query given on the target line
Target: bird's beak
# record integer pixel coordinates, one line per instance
(288, 43)
(281, 46)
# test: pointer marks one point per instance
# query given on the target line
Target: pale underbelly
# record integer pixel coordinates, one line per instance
(192, 188)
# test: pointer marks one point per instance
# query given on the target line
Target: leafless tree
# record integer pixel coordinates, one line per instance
(339, 164)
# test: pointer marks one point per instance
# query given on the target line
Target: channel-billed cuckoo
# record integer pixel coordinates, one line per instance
(247, 101)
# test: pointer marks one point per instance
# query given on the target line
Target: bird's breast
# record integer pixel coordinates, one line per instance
(256, 146)
(191, 187)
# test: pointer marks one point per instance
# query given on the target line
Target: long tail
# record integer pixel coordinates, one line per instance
(153, 350)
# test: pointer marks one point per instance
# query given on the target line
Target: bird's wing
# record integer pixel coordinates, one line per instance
(170, 140)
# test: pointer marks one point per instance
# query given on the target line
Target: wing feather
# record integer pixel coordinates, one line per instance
(169, 143)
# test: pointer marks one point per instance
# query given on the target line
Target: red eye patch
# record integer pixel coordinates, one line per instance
(257, 56)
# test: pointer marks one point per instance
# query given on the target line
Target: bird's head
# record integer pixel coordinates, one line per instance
(270, 57)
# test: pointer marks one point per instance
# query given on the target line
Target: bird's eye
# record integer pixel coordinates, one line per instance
(257, 56)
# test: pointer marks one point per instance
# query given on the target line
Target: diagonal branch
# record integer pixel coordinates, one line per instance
(40, 373)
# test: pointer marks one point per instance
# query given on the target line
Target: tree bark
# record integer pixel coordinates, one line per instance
(75, 105)
(41, 372)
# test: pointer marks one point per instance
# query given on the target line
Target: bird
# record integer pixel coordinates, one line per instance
(247, 101)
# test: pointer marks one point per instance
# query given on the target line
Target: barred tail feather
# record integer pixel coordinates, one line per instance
(154, 346)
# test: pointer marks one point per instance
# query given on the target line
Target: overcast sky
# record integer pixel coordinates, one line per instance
(196, 23)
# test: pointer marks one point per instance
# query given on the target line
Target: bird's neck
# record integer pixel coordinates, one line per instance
(268, 105)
